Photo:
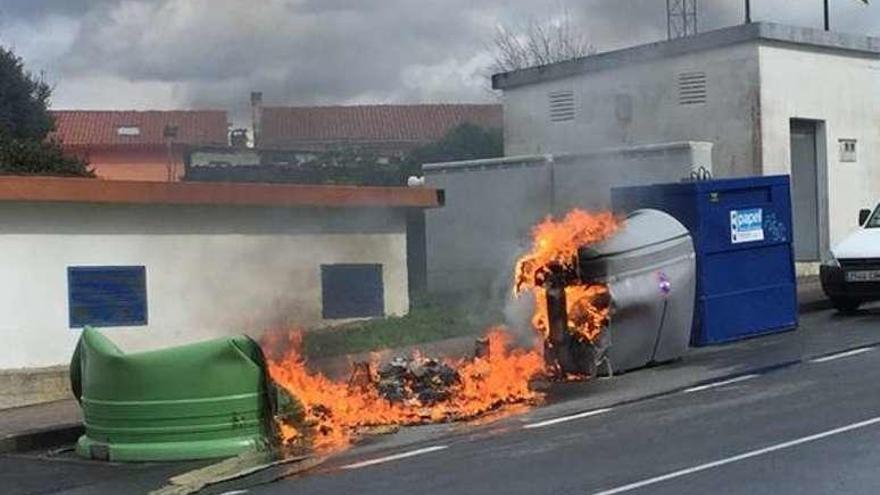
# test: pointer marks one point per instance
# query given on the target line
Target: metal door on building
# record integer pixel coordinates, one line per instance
(805, 190)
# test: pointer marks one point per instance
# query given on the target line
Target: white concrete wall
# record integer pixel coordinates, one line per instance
(603, 120)
(474, 240)
(211, 271)
(841, 89)
(492, 205)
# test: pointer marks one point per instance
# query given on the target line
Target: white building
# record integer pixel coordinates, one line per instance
(159, 264)
(773, 99)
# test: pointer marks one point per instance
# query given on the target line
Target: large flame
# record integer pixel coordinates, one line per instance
(557, 242)
(335, 410)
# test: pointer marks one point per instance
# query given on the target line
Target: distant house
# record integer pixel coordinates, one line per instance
(139, 145)
(386, 130)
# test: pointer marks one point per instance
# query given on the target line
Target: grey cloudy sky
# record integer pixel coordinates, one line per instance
(121, 54)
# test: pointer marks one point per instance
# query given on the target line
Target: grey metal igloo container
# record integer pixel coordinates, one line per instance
(649, 267)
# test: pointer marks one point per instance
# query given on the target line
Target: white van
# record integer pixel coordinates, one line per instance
(852, 276)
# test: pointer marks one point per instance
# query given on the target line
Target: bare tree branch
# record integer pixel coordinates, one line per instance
(538, 43)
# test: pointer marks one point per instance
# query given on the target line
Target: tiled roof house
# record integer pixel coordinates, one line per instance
(132, 145)
(386, 129)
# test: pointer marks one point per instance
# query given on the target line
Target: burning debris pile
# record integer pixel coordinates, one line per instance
(404, 392)
(569, 318)
(417, 380)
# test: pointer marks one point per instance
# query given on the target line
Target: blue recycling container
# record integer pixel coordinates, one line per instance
(742, 233)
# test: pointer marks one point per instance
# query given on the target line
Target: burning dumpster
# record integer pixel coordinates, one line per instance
(202, 400)
(649, 268)
(610, 295)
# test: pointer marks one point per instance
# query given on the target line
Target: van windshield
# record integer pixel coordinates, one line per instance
(874, 221)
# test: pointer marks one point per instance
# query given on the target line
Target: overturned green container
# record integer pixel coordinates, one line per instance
(196, 401)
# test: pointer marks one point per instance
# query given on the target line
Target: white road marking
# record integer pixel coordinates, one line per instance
(395, 457)
(708, 386)
(235, 492)
(839, 355)
(563, 419)
(741, 457)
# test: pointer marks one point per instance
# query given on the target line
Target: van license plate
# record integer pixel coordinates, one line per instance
(863, 276)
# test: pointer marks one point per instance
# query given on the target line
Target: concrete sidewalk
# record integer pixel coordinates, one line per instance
(810, 295)
(56, 423)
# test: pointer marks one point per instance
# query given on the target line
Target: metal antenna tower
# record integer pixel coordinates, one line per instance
(681, 18)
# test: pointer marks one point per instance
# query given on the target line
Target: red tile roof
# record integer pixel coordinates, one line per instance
(76, 190)
(401, 126)
(89, 128)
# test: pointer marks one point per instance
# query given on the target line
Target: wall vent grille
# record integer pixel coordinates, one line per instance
(561, 106)
(692, 88)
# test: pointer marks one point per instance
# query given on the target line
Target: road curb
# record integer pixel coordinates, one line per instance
(42, 438)
(810, 296)
(814, 306)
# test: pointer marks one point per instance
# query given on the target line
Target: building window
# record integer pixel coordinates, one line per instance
(352, 291)
(848, 150)
(107, 296)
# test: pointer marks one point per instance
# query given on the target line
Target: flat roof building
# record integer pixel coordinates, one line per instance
(160, 264)
(773, 99)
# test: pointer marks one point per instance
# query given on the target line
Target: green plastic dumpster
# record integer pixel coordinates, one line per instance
(196, 401)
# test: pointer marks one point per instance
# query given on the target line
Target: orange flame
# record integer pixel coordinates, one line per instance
(335, 411)
(558, 242)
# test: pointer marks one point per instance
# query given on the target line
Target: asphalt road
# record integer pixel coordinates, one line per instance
(810, 427)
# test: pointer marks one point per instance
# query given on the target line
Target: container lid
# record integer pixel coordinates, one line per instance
(646, 238)
(641, 228)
